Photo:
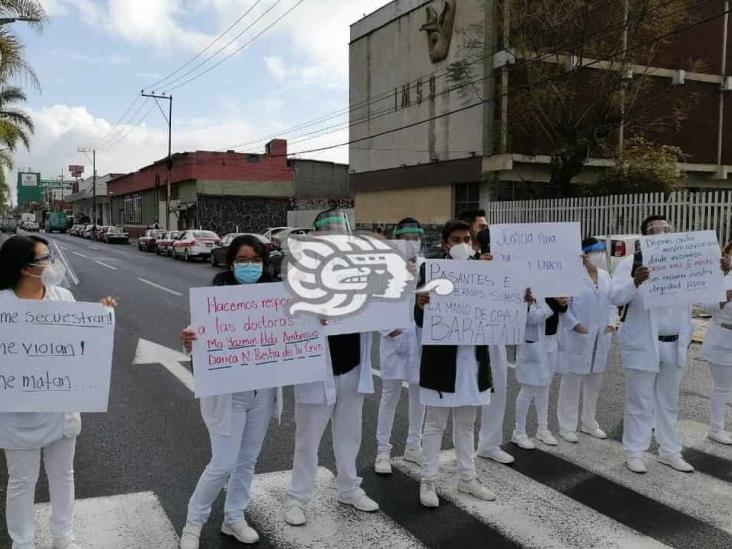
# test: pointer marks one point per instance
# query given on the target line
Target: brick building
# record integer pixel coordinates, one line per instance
(225, 191)
(435, 169)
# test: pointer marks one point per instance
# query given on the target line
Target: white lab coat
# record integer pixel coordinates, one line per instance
(324, 392)
(717, 347)
(400, 355)
(587, 353)
(216, 411)
(30, 430)
(533, 366)
(638, 335)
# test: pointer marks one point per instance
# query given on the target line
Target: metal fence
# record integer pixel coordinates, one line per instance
(622, 214)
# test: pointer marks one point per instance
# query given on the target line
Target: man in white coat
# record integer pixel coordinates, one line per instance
(654, 345)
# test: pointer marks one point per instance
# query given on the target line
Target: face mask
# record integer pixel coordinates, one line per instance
(248, 273)
(413, 248)
(598, 260)
(53, 274)
(462, 251)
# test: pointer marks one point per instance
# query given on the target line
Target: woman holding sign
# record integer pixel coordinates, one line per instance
(237, 423)
(584, 344)
(29, 271)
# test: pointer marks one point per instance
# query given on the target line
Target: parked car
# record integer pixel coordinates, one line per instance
(100, 230)
(195, 243)
(149, 241)
(218, 254)
(116, 235)
(88, 232)
(164, 245)
(269, 233)
(619, 247)
(281, 237)
(30, 226)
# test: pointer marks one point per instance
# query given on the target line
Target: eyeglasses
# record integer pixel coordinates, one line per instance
(44, 260)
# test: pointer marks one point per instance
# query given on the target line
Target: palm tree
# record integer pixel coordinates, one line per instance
(15, 125)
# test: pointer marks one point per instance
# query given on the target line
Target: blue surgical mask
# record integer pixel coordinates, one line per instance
(247, 273)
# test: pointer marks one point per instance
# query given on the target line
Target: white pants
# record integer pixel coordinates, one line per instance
(233, 457)
(492, 415)
(463, 438)
(569, 396)
(540, 397)
(346, 424)
(721, 390)
(652, 407)
(23, 469)
(391, 391)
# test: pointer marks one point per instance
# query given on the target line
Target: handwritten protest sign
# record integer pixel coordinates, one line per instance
(247, 340)
(548, 254)
(684, 269)
(486, 307)
(55, 356)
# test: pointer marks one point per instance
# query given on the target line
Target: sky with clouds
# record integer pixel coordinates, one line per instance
(94, 56)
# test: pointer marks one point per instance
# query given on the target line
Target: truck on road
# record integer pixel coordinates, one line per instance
(57, 222)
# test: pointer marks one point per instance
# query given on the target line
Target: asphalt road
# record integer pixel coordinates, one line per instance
(153, 441)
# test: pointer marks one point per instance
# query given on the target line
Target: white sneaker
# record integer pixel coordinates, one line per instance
(382, 466)
(522, 441)
(294, 514)
(413, 455)
(497, 455)
(546, 436)
(428, 494)
(569, 436)
(240, 531)
(723, 437)
(191, 536)
(678, 463)
(597, 433)
(361, 502)
(637, 465)
(476, 489)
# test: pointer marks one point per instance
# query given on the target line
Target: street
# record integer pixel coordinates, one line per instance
(137, 465)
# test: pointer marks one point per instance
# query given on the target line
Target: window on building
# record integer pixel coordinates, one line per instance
(467, 197)
(133, 209)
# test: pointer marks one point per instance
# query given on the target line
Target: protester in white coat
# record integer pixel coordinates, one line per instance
(237, 423)
(399, 363)
(534, 371)
(584, 343)
(653, 345)
(339, 400)
(717, 351)
(29, 271)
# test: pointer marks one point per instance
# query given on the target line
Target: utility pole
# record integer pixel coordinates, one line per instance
(169, 119)
(86, 150)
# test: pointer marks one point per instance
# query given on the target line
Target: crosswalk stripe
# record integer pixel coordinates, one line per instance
(330, 525)
(694, 435)
(697, 495)
(532, 514)
(130, 521)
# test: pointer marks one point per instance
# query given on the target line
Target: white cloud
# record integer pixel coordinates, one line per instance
(276, 68)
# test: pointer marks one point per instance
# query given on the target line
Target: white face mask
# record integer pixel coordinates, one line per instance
(413, 248)
(462, 251)
(53, 274)
(598, 260)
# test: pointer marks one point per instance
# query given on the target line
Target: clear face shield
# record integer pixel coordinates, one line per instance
(413, 235)
(658, 227)
(332, 223)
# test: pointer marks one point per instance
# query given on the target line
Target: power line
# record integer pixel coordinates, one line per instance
(103, 143)
(129, 129)
(115, 127)
(200, 53)
(209, 69)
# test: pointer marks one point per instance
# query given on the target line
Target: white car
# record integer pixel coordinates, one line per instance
(269, 233)
(195, 243)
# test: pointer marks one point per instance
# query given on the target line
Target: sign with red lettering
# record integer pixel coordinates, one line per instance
(247, 340)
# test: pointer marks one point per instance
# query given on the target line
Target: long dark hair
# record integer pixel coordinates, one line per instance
(17, 253)
(227, 278)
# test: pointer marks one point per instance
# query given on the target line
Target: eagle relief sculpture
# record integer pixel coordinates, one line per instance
(439, 30)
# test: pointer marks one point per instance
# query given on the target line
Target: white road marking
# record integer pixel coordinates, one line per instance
(131, 521)
(159, 287)
(106, 265)
(694, 435)
(330, 525)
(532, 514)
(696, 494)
(80, 255)
(69, 269)
(377, 373)
(152, 353)
(63, 247)
(93, 247)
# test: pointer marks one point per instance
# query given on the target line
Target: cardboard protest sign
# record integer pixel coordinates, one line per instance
(486, 308)
(685, 269)
(248, 341)
(55, 356)
(548, 253)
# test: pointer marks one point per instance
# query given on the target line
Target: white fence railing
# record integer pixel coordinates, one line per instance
(622, 214)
